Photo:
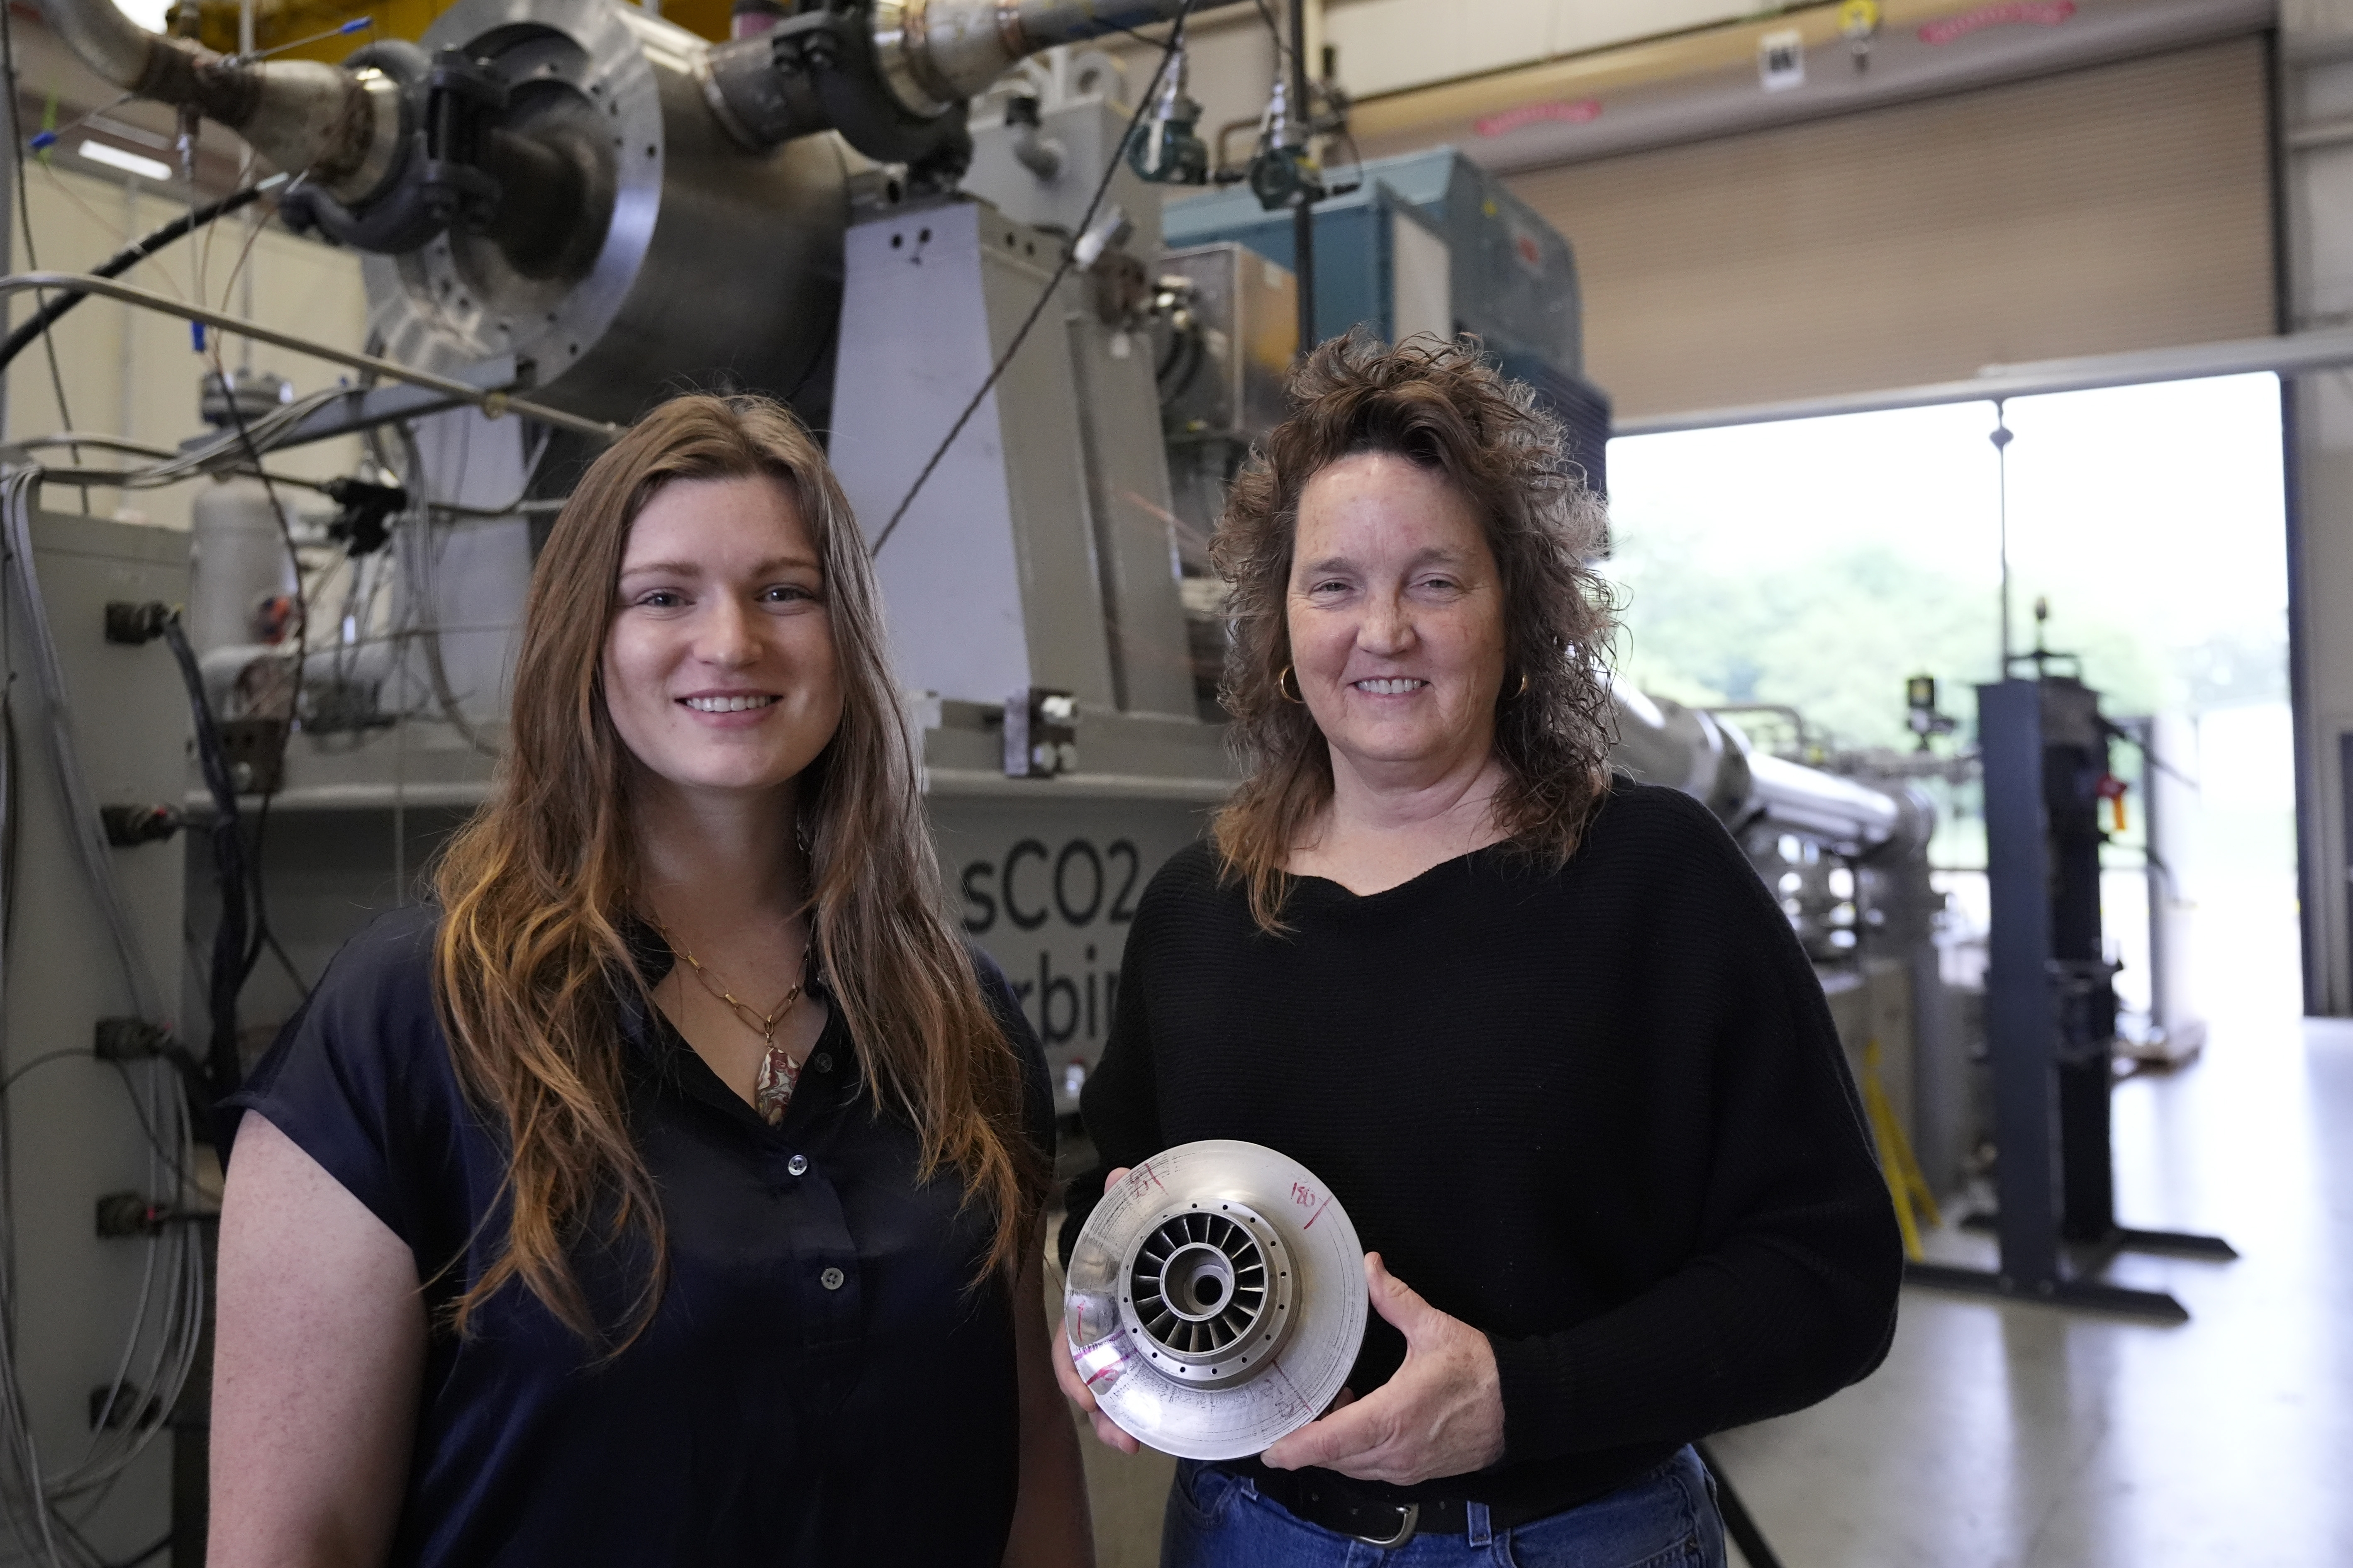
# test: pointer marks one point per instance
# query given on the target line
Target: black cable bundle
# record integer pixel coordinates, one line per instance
(222, 1067)
(122, 261)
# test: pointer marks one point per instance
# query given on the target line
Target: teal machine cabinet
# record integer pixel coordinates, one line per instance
(1433, 243)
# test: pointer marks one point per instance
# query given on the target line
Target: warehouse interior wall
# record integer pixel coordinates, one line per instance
(2128, 206)
(136, 373)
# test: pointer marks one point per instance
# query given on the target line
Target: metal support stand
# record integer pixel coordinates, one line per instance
(2050, 1013)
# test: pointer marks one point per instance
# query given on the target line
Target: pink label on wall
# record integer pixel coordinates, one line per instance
(2038, 13)
(1563, 112)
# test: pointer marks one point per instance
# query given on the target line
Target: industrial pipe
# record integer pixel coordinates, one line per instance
(884, 73)
(1665, 743)
(949, 49)
(341, 128)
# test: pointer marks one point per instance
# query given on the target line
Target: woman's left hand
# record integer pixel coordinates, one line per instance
(1442, 1414)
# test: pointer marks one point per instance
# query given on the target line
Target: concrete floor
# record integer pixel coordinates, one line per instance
(2001, 1437)
(2026, 1437)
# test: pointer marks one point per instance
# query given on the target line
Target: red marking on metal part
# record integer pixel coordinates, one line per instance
(1314, 1217)
(1145, 1169)
(1298, 1399)
(2041, 13)
(1565, 111)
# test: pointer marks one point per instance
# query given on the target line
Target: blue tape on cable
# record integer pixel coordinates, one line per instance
(197, 334)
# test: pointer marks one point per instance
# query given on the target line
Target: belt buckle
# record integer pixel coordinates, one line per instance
(1408, 1517)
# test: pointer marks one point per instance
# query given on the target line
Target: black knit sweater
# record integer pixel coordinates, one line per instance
(1599, 1113)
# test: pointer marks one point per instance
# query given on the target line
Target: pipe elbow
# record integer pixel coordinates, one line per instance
(301, 116)
(110, 43)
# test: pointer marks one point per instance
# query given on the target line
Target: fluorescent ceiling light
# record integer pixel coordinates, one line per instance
(129, 163)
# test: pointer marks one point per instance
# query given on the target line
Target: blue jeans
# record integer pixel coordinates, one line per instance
(1666, 1519)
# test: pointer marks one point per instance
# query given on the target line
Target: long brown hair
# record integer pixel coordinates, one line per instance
(532, 969)
(1440, 406)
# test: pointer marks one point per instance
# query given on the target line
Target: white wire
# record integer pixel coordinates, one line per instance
(65, 754)
(164, 1334)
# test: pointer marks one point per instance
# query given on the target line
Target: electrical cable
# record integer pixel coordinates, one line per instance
(421, 565)
(229, 865)
(89, 836)
(24, 211)
(164, 1334)
(124, 260)
(1283, 50)
(262, 937)
(1053, 284)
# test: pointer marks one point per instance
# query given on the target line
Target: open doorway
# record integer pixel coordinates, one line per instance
(1819, 563)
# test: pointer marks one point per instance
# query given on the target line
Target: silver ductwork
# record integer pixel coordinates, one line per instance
(1848, 815)
(893, 75)
(1665, 742)
(939, 52)
(341, 128)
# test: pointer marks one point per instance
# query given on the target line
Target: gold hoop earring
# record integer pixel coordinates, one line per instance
(1286, 683)
(1523, 692)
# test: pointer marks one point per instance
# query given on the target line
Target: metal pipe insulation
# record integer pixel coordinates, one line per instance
(341, 128)
(892, 76)
(949, 49)
(1850, 815)
(1665, 742)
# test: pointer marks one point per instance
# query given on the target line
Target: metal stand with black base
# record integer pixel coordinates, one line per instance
(2050, 1012)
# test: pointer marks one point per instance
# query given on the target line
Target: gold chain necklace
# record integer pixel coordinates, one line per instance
(772, 1090)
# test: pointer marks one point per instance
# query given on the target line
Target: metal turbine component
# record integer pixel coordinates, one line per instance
(692, 253)
(1216, 1300)
(342, 128)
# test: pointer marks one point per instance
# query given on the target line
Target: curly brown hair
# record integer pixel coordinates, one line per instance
(1440, 405)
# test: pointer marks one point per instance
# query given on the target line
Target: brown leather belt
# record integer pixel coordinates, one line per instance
(1312, 1497)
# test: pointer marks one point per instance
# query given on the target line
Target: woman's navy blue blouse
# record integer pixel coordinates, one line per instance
(823, 1381)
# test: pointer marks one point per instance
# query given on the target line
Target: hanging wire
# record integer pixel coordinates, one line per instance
(41, 1496)
(1143, 102)
(24, 212)
(2001, 437)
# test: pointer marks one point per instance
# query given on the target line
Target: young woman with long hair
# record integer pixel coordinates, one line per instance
(667, 1189)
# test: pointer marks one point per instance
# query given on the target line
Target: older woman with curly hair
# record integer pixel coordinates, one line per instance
(1539, 1028)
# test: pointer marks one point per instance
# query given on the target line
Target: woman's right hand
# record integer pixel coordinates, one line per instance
(1066, 1372)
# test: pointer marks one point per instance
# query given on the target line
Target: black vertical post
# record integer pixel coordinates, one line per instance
(2020, 1015)
(2051, 1009)
(2345, 793)
(1302, 215)
(2074, 764)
